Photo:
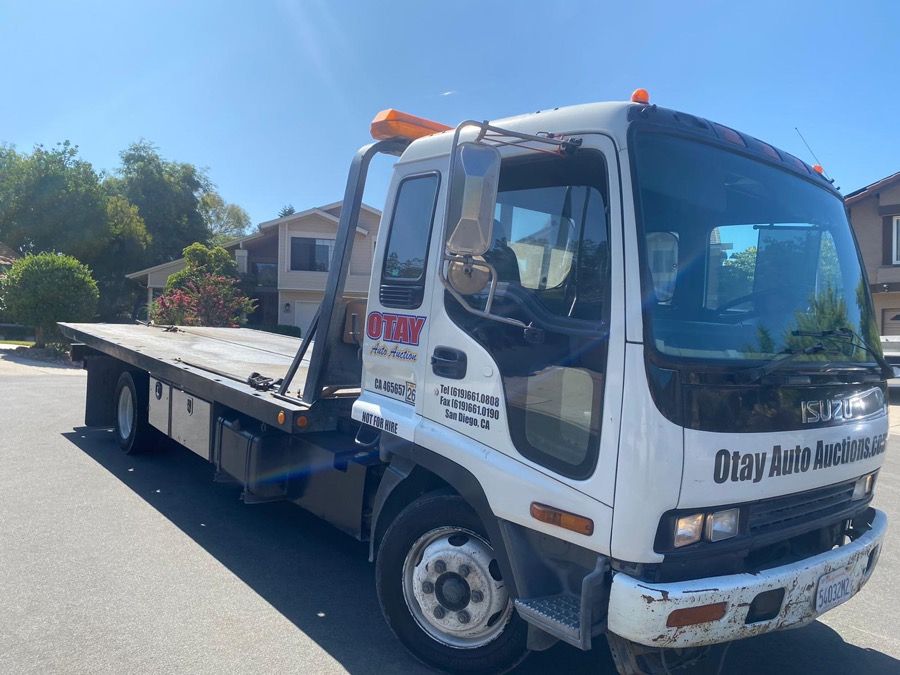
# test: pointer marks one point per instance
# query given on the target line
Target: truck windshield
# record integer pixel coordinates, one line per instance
(744, 261)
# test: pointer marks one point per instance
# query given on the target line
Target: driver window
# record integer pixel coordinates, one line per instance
(543, 243)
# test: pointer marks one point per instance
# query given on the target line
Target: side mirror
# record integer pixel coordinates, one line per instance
(473, 196)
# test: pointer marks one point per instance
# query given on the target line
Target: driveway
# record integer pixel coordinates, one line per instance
(114, 564)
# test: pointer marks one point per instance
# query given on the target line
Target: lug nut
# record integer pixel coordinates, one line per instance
(439, 612)
(427, 587)
(477, 596)
(440, 566)
(464, 570)
(463, 617)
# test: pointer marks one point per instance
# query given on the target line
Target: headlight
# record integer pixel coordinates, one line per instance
(864, 486)
(688, 529)
(722, 524)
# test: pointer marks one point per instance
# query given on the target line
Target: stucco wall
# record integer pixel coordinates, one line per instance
(868, 225)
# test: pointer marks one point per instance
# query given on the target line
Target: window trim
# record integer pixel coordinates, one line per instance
(895, 259)
(420, 282)
(290, 255)
(583, 328)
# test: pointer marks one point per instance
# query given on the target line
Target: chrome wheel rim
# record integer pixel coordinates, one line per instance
(453, 588)
(125, 413)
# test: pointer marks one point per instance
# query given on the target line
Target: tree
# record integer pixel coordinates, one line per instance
(125, 251)
(51, 200)
(39, 290)
(201, 260)
(224, 221)
(204, 300)
(167, 195)
(286, 210)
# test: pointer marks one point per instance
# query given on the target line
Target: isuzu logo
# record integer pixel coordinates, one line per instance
(829, 410)
(860, 405)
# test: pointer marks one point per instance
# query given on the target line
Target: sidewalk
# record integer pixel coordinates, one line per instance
(14, 363)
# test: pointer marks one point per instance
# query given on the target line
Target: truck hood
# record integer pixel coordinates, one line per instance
(726, 468)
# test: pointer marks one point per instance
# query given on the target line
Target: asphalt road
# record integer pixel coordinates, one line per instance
(112, 564)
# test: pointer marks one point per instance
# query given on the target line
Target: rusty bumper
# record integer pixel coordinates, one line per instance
(640, 611)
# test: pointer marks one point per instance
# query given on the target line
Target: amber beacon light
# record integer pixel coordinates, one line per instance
(640, 96)
(392, 123)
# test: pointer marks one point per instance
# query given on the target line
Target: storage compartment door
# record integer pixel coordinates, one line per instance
(191, 418)
(158, 414)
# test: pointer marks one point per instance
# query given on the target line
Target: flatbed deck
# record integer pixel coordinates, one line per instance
(213, 363)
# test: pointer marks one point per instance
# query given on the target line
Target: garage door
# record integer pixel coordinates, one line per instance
(304, 313)
(890, 322)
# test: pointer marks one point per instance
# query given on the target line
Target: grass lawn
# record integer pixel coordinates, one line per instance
(23, 343)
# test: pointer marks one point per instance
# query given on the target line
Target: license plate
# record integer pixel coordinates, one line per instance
(834, 588)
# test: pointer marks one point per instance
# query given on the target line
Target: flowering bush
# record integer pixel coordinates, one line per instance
(206, 300)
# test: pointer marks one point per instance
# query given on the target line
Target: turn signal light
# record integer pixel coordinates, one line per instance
(640, 96)
(563, 519)
(690, 616)
(392, 123)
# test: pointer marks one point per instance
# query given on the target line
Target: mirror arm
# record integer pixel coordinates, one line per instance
(486, 313)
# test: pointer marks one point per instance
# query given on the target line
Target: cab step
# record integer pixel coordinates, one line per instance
(558, 615)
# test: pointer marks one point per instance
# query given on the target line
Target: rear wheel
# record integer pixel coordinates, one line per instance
(442, 592)
(133, 431)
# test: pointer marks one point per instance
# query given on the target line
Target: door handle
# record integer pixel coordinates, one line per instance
(449, 362)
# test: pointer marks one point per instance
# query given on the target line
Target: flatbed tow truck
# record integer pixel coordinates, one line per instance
(615, 378)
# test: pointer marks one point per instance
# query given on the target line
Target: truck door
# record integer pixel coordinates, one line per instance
(550, 396)
(397, 315)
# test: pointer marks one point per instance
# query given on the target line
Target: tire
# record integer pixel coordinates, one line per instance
(130, 406)
(455, 623)
(632, 658)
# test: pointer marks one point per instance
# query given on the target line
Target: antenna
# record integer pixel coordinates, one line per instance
(807, 146)
(818, 162)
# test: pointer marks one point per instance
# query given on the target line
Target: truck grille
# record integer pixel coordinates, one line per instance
(784, 512)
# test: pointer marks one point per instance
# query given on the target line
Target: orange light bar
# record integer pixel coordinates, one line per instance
(640, 96)
(690, 616)
(392, 123)
(563, 519)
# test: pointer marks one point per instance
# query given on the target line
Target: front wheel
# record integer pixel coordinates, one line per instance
(441, 590)
(632, 658)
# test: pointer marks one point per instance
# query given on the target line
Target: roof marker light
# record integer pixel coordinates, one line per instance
(640, 96)
(392, 123)
(818, 169)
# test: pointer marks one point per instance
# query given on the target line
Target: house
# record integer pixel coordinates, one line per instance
(7, 257)
(875, 215)
(288, 260)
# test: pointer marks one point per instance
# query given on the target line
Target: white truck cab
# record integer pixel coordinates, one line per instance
(648, 339)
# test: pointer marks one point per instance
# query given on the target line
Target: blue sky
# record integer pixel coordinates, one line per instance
(274, 97)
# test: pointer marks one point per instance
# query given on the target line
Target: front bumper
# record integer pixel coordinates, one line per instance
(639, 610)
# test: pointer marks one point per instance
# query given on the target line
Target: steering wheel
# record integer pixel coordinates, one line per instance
(747, 298)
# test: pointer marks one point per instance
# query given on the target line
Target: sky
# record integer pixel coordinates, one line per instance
(273, 97)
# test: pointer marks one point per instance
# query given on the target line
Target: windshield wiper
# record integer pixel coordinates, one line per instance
(756, 373)
(854, 339)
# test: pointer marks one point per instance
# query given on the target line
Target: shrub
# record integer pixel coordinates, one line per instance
(200, 260)
(39, 290)
(205, 300)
